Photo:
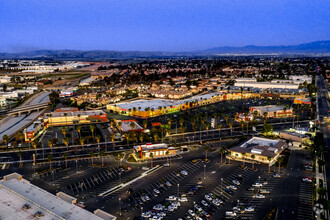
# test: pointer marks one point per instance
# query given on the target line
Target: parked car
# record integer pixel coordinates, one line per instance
(182, 199)
(257, 185)
(191, 212)
(183, 172)
(249, 209)
(156, 191)
(208, 197)
(233, 187)
(229, 191)
(263, 191)
(236, 182)
(259, 196)
(198, 207)
(204, 203)
(307, 180)
(168, 184)
(276, 175)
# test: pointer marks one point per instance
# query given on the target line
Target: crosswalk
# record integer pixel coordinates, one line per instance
(305, 210)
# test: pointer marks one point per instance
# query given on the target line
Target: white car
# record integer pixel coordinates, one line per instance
(183, 172)
(204, 203)
(208, 197)
(182, 199)
(233, 187)
(230, 214)
(215, 202)
(249, 209)
(156, 191)
(191, 212)
(259, 196)
(168, 184)
(147, 198)
(263, 191)
(172, 198)
(198, 207)
(257, 185)
(307, 180)
(170, 208)
(236, 182)
(146, 215)
(237, 209)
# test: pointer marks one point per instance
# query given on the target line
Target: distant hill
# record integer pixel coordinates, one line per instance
(312, 47)
(316, 47)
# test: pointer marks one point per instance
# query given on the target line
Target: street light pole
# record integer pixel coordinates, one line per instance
(221, 185)
(194, 210)
(119, 178)
(178, 188)
(77, 166)
(204, 170)
(119, 206)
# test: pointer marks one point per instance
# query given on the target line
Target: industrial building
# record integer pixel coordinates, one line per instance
(19, 199)
(72, 116)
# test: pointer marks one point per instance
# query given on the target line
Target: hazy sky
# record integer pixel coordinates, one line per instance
(167, 25)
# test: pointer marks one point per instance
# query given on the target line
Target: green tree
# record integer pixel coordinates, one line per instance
(253, 157)
(102, 154)
(19, 154)
(66, 156)
(91, 154)
(49, 158)
(269, 159)
(151, 156)
(279, 161)
(5, 139)
(66, 142)
(221, 151)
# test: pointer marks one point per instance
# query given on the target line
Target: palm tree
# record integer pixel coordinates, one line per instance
(145, 124)
(49, 158)
(243, 155)
(79, 130)
(269, 159)
(92, 128)
(112, 137)
(207, 125)
(255, 115)
(279, 161)
(66, 142)
(231, 127)
(5, 139)
(65, 115)
(98, 138)
(91, 154)
(242, 125)
(228, 153)
(66, 156)
(119, 125)
(226, 118)
(19, 154)
(34, 145)
(253, 157)
(63, 129)
(206, 148)
(219, 126)
(156, 137)
(265, 117)
(51, 144)
(19, 136)
(151, 156)
(181, 121)
(82, 142)
(221, 151)
(141, 137)
(132, 125)
(102, 154)
(167, 153)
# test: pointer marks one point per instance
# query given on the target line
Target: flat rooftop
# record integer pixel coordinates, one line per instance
(15, 192)
(155, 103)
(147, 147)
(75, 113)
(270, 108)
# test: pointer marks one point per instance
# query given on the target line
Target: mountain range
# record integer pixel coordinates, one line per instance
(316, 47)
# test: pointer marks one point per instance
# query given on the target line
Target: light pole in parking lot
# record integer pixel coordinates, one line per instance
(119, 178)
(194, 210)
(178, 185)
(221, 185)
(141, 210)
(119, 206)
(77, 166)
(204, 170)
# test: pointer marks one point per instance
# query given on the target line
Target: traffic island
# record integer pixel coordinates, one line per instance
(122, 185)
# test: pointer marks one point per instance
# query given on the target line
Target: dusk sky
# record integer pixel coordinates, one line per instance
(153, 25)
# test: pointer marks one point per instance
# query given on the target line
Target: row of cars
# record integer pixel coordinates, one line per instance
(159, 211)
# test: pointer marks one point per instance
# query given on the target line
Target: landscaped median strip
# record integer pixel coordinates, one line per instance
(114, 189)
